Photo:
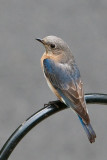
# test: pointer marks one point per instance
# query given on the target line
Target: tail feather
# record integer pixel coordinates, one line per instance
(89, 130)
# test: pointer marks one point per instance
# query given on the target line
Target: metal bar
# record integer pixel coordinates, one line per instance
(39, 116)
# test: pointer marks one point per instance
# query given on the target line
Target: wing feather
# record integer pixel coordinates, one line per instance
(65, 78)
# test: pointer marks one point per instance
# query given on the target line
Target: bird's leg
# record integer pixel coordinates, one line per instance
(52, 103)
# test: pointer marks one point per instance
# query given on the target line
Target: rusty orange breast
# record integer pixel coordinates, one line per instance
(46, 56)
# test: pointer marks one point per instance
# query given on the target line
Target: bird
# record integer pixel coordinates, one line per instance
(63, 78)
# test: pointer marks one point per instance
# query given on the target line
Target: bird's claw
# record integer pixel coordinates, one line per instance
(51, 103)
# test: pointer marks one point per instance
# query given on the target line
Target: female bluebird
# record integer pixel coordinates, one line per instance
(63, 77)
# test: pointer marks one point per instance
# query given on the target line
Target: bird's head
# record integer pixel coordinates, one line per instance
(54, 45)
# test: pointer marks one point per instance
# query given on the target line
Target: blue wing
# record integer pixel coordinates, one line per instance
(65, 78)
(61, 75)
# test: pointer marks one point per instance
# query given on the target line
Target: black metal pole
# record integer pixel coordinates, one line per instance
(39, 116)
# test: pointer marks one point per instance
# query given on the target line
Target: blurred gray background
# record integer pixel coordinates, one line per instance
(23, 90)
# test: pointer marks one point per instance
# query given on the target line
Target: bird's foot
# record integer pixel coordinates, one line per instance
(51, 103)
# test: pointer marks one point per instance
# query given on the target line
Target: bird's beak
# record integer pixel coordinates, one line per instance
(40, 40)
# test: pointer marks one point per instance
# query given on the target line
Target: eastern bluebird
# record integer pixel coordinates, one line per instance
(63, 77)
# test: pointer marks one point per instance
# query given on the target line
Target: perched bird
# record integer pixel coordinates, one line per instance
(63, 77)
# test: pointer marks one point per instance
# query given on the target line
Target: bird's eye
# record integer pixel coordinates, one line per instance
(52, 45)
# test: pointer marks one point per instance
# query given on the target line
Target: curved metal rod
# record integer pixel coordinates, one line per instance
(39, 116)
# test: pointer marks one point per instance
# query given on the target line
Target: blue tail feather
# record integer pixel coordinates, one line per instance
(89, 130)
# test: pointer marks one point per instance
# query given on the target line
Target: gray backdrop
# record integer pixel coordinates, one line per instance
(23, 90)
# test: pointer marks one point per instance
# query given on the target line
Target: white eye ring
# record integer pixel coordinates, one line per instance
(52, 45)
